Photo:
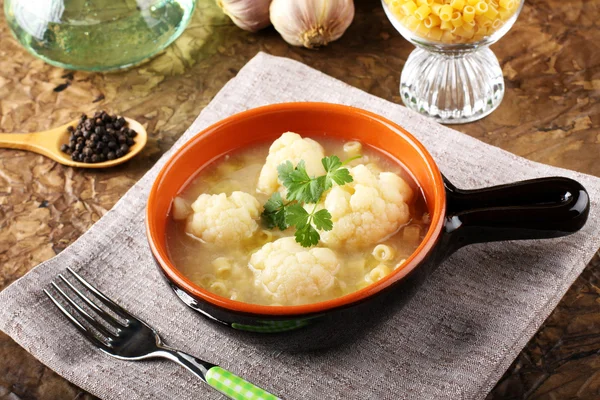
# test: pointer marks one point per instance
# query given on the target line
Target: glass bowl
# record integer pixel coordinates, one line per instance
(97, 35)
(452, 76)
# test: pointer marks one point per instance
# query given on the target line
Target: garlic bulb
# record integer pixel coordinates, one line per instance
(311, 23)
(250, 15)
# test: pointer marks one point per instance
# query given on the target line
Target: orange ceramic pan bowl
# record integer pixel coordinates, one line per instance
(346, 123)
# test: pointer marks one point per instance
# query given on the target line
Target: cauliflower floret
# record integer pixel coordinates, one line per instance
(224, 220)
(292, 274)
(290, 147)
(366, 210)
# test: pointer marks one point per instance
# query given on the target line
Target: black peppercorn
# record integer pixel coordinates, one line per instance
(99, 138)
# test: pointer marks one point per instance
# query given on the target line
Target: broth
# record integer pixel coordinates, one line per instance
(225, 270)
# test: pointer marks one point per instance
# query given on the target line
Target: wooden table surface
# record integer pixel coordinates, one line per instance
(550, 114)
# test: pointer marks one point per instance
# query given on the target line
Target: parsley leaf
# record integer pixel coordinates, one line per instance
(274, 213)
(297, 216)
(299, 185)
(307, 236)
(303, 189)
(322, 220)
(335, 172)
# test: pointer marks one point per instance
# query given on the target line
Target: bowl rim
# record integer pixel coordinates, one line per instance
(428, 243)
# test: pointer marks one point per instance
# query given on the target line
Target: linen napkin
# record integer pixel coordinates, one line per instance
(453, 340)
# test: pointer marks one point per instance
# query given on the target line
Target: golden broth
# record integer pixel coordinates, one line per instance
(225, 270)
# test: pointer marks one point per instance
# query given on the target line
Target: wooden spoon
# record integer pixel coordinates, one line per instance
(48, 144)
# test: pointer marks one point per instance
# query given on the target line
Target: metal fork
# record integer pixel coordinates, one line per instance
(134, 340)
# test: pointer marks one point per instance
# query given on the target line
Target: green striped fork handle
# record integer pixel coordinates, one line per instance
(235, 387)
(224, 381)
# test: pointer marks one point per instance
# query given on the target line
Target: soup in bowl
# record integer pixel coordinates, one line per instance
(288, 215)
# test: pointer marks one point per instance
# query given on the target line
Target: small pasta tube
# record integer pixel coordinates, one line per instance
(433, 20)
(409, 8)
(353, 148)
(481, 8)
(456, 19)
(265, 236)
(491, 13)
(383, 252)
(446, 26)
(422, 12)
(448, 37)
(469, 27)
(497, 24)
(436, 33)
(436, 8)
(468, 13)
(412, 22)
(457, 4)
(446, 13)
(218, 287)
(206, 280)
(377, 273)
(222, 267)
(473, 2)
(504, 14)
(422, 30)
(483, 23)
(507, 4)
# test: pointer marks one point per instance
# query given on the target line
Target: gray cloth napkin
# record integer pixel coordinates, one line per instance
(453, 340)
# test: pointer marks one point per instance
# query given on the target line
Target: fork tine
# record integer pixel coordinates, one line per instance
(107, 302)
(103, 314)
(90, 320)
(89, 335)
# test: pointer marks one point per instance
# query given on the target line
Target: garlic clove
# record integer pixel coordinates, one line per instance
(311, 23)
(250, 15)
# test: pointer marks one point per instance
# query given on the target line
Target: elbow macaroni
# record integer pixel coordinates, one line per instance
(383, 252)
(377, 273)
(441, 20)
(352, 149)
